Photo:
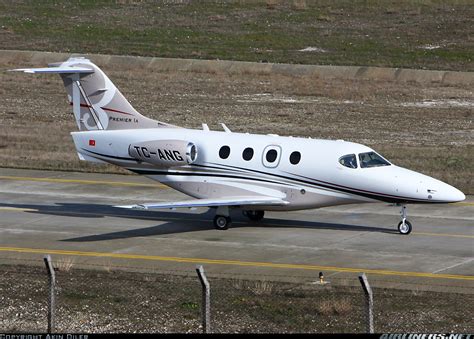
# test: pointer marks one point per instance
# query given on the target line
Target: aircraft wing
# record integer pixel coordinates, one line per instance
(228, 201)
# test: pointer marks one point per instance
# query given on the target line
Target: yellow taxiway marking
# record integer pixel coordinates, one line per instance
(464, 203)
(235, 263)
(79, 181)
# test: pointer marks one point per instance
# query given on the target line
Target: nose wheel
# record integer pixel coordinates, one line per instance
(404, 226)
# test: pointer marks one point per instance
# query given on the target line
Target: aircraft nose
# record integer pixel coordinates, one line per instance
(413, 184)
(455, 195)
(446, 193)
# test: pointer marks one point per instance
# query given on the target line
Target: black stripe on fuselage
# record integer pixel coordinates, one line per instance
(167, 172)
(316, 183)
(111, 156)
(198, 174)
(322, 184)
(298, 181)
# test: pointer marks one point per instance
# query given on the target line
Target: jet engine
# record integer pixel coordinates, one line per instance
(164, 153)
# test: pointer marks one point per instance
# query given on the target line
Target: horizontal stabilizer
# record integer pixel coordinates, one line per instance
(231, 201)
(64, 69)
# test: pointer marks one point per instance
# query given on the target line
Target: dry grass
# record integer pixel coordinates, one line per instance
(108, 266)
(65, 264)
(257, 287)
(335, 307)
(263, 287)
(417, 292)
(299, 5)
(271, 4)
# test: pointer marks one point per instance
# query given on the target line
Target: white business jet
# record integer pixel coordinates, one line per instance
(224, 170)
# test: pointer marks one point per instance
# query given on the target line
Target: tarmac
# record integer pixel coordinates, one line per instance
(71, 215)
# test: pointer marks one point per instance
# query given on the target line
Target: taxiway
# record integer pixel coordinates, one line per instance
(70, 214)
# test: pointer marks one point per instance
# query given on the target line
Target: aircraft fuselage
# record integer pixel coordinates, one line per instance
(315, 179)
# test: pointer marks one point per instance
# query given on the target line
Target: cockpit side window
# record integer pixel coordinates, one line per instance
(372, 159)
(348, 161)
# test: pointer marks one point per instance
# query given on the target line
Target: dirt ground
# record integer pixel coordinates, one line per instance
(106, 300)
(427, 128)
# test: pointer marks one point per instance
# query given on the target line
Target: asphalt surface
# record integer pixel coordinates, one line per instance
(71, 215)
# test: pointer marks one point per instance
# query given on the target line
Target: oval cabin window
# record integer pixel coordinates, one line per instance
(271, 155)
(247, 154)
(295, 158)
(224, 152)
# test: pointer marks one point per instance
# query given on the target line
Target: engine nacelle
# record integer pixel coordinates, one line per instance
(164, 153)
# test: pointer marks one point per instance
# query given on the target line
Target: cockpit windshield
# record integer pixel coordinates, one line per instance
(372, 159)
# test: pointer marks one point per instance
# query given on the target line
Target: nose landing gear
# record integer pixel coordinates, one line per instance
(404, 226)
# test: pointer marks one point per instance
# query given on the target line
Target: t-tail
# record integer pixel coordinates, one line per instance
(96, 103)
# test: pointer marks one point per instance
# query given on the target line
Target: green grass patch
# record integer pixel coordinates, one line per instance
(375, 33)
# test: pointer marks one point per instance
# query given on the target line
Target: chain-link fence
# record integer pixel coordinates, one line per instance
(111, 299)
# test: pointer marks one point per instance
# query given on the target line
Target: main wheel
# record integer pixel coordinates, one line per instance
(254, 215)
(221, 222)
(404, 228)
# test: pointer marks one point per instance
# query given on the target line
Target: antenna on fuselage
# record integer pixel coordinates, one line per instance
(226, 129)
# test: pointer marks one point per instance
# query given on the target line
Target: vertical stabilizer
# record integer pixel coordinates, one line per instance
(97, 104)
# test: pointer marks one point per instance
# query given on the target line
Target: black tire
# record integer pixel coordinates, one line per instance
(254, 215)
(221, 222)
(405, 230)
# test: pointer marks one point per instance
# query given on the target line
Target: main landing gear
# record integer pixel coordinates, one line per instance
(222, 220)
(404, 226)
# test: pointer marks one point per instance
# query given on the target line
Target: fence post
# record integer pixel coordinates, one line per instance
(206, 300)
(52, 286)
(369, 301)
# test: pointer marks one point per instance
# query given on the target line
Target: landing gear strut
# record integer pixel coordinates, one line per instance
(404, 226)
(222, 220)
(254, 215)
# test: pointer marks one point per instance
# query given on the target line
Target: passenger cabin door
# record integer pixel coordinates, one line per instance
(271, 156)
